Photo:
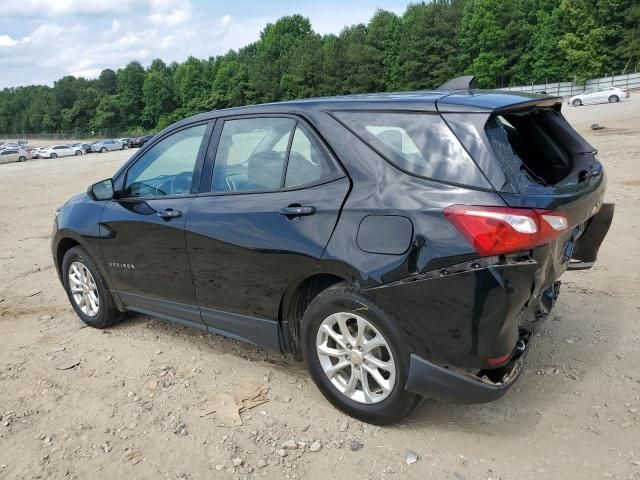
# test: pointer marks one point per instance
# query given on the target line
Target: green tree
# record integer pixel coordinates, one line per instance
(429, 53)
(157, 94)
(130, 81)
(107, 81)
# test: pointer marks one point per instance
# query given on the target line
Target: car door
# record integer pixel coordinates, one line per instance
(274, 197)
(63, 151)
(601, 95)
(7, 156)
(143, 241)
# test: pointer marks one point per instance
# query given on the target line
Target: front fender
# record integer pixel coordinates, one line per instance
(78, 223)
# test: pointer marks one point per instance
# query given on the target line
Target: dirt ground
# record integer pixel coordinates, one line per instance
(135, 401)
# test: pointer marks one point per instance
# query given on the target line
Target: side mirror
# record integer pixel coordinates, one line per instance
(102, 190)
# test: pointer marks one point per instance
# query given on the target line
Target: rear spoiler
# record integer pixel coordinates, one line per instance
(461, 95)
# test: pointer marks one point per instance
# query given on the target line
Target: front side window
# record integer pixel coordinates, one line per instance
(419, 143)
(167, 168)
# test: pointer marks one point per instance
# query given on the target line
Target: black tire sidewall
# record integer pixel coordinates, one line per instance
(577, 103)
(614, 99)
(400, 402)
(53, 155)
(106, 310)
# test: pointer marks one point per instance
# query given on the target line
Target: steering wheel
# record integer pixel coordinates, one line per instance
(181, 183)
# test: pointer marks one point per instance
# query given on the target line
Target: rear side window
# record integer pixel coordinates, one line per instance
(266, 154)
(251, 154)
(308, 161)
(419, 143)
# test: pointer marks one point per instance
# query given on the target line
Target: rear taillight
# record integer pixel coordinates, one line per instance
(496, 230)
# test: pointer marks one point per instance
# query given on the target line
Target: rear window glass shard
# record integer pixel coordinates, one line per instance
(419, 143)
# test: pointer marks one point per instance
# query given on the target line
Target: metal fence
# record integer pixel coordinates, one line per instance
(66, 137)
(629, 81)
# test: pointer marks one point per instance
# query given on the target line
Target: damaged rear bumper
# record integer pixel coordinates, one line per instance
(457, 386)
(585, 250)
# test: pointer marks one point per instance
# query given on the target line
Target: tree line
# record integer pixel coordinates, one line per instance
(502, 42)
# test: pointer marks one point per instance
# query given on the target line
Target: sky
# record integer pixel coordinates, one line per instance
(43, 40)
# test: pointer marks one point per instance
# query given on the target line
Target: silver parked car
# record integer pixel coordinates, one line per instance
(8, 155)
(108, 146)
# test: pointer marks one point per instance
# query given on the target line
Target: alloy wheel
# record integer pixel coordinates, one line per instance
(84, 289)
(356, 358)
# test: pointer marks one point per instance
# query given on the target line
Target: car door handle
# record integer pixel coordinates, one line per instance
(169, 213)
(297, 211)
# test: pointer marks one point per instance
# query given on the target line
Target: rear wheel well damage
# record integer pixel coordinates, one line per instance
(294, 305)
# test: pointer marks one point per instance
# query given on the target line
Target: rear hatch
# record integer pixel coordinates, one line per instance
(535, 160)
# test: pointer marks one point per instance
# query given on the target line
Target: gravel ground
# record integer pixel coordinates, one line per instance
(136, 400)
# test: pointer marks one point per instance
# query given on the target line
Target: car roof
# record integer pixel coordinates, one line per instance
(470, 100)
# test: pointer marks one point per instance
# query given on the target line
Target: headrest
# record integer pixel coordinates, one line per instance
(264, 170)
(393, 138)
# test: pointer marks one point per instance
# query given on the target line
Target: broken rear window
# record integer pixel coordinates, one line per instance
(540, 152)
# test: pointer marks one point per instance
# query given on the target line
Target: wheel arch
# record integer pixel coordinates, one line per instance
(68, 239)
(63, 245)
(294, 303)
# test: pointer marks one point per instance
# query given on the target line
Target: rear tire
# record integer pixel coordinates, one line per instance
(78, 152)
(22, 159)
(88, 292)
(124, 147)
(614, 99)
(577, 103)
(374, 403)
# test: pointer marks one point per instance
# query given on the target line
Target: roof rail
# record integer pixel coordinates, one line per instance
(459, 83)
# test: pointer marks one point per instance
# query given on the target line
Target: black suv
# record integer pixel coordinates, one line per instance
(403, 244)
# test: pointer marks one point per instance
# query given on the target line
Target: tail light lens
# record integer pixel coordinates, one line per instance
(497, 230)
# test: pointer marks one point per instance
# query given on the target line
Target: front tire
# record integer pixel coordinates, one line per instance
(87, 290)
(614, 99)
(78, 152)
(54, 155)
(357, 356)
(103, 150)
(124, 147)
(577, 102)
(22, 159)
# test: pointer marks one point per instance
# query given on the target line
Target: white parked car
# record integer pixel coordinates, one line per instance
(599, 95)
(59, 151)
(35, 151)
(108, 146)
(8, 155)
